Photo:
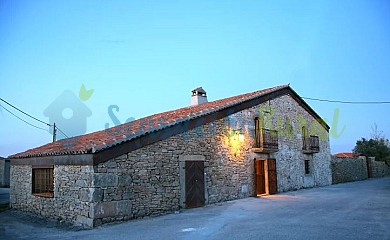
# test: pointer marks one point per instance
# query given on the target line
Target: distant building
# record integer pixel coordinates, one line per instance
(253, 144)
(345, 155)
(4, 172)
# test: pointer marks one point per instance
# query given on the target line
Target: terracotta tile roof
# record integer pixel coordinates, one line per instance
(98, 141)
(345, 155)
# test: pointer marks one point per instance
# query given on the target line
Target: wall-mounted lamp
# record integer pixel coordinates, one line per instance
(241, 137)
(234, 140)
(238, 135)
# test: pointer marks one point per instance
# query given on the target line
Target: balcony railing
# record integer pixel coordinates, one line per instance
(311, 144)
(266, 141)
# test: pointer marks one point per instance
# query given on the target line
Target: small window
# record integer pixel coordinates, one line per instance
(42, 182)
(307, 166)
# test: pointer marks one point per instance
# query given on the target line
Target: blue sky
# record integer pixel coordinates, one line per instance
(146, 57)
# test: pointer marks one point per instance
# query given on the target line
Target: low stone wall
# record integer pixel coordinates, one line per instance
(348, 169)
(379, 169)
(355, 169)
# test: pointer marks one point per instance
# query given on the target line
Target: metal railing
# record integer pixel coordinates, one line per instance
(311, 144)
(267, 139)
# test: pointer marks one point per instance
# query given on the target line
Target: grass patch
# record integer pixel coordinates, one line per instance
(4, 207)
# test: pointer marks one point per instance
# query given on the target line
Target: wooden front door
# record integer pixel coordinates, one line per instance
(194, 184)
(260, 177)
(272, 177)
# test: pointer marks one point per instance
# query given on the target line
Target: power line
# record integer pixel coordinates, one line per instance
(62, 132)
(36, 119)
(23, 119)
(346, 102)
(25, 112)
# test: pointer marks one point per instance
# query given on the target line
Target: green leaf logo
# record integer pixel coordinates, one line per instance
(85, 94)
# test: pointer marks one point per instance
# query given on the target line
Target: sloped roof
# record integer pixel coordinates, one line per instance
(101, 140)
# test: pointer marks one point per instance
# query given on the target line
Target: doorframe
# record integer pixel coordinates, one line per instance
(266, 184)
(276, 174)
(182, 177)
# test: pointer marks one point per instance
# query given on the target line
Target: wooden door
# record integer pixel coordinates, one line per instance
(272, 176)
(260, 177)
(194, 184)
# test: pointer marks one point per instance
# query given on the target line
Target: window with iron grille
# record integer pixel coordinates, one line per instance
(42, 182)
(307, 166)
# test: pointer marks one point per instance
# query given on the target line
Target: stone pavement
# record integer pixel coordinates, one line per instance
(4, 195)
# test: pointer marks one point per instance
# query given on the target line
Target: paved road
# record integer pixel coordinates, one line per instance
(4, 195)
(359, 210)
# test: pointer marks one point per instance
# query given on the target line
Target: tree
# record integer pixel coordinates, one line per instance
(376, 134)
(378, 146)
(374, 148)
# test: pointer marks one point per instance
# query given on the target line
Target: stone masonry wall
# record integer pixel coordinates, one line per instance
(348, 169)
(379, 169)
(72, 194)
(148, 180)
(355, 169)
(153, 177)
(288, 117)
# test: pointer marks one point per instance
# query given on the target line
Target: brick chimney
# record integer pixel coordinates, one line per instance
(198, 96)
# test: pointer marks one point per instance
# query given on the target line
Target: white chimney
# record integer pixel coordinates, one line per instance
(198, 96)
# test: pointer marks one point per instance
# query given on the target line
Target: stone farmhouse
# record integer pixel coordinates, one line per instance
(253, 144)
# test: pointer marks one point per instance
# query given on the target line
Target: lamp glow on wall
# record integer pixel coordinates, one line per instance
(238, 135)
(234, 139)
(237, 141)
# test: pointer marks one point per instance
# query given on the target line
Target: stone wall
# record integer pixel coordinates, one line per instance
(4, 172)
(348, 169)
(72, 194)
(355, 169)
(288, 117)
(378, 168)
(149, 180)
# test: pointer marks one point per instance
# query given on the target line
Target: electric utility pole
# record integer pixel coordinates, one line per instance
(54, 132)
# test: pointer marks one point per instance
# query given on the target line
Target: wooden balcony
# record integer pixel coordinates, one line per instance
(266, 141)
(311, 145)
